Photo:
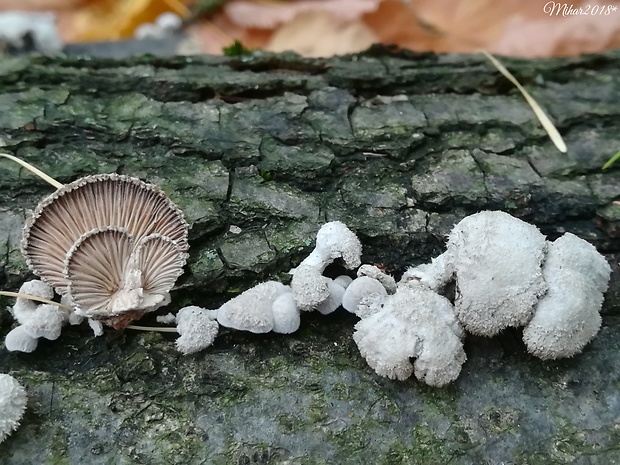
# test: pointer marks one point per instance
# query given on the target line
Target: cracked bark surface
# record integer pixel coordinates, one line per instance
(399, 147)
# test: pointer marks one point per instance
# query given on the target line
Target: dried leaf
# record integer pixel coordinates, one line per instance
(268, 15)
(40, 5)
(559, 36)
(117, 19)
(509, 27)
(318, 33)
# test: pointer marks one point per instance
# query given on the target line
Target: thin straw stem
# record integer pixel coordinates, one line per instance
(162, 329)
(34, 170)
(35, 298)
(554, 135)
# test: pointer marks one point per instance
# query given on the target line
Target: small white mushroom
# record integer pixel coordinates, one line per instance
(567, 317)
(47, 321)
(343, 280)
(96, 326)
(334, 300)
(252, 310)
(436, 274)
(361, 291)
(36, 287)
(19, 340)
(13, 400)
(197, 329)
(286, 318)
(415, 322)
(334, 240)
(385, 279)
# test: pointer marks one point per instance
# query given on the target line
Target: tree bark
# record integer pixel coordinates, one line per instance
(259, 151)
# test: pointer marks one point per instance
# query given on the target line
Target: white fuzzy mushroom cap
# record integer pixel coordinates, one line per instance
(19, 340)
(47, 321)
(415, 322)
(335, 240)
(13, 400)
(361, 291)
(252, 309)
(385, 279)
(286, 318)
(334, 300)
(497, 262)
(197, 329)
(310, 287)
(567, 317)
(24, 307)
(435, 275)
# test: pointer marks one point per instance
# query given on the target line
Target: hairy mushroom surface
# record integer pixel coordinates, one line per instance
(567, 317)
(415, 322)
(13, 400)
(495, 261)
(334, 240)
(196, 328)
(252, 310)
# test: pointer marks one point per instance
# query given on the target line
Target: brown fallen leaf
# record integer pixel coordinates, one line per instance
(509, 27)
(319, 34)
(269, 14)
(559, 36)
(443, 25)
(40, 5)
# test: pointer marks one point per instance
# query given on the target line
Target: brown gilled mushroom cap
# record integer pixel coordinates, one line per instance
(95, 203)
(110, 274)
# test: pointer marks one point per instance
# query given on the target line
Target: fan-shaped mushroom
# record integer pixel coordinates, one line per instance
(114, 244)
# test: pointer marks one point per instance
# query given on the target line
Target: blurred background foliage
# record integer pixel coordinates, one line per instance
(328, 27)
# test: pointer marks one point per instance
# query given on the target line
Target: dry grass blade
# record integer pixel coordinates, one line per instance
(34, 170)
(162, 329)
(554, 135)
(35, 298)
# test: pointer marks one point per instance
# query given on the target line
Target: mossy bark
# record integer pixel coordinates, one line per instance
(259, 151)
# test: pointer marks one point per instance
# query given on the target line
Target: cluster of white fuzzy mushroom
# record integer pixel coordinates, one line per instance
(273, 306)
(502, 270)
(505, 274)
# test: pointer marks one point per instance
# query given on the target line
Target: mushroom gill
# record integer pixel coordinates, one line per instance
(114, 244)
(91, 203)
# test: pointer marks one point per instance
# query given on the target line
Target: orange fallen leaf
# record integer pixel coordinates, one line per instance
(118, 19)
(442, 25)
